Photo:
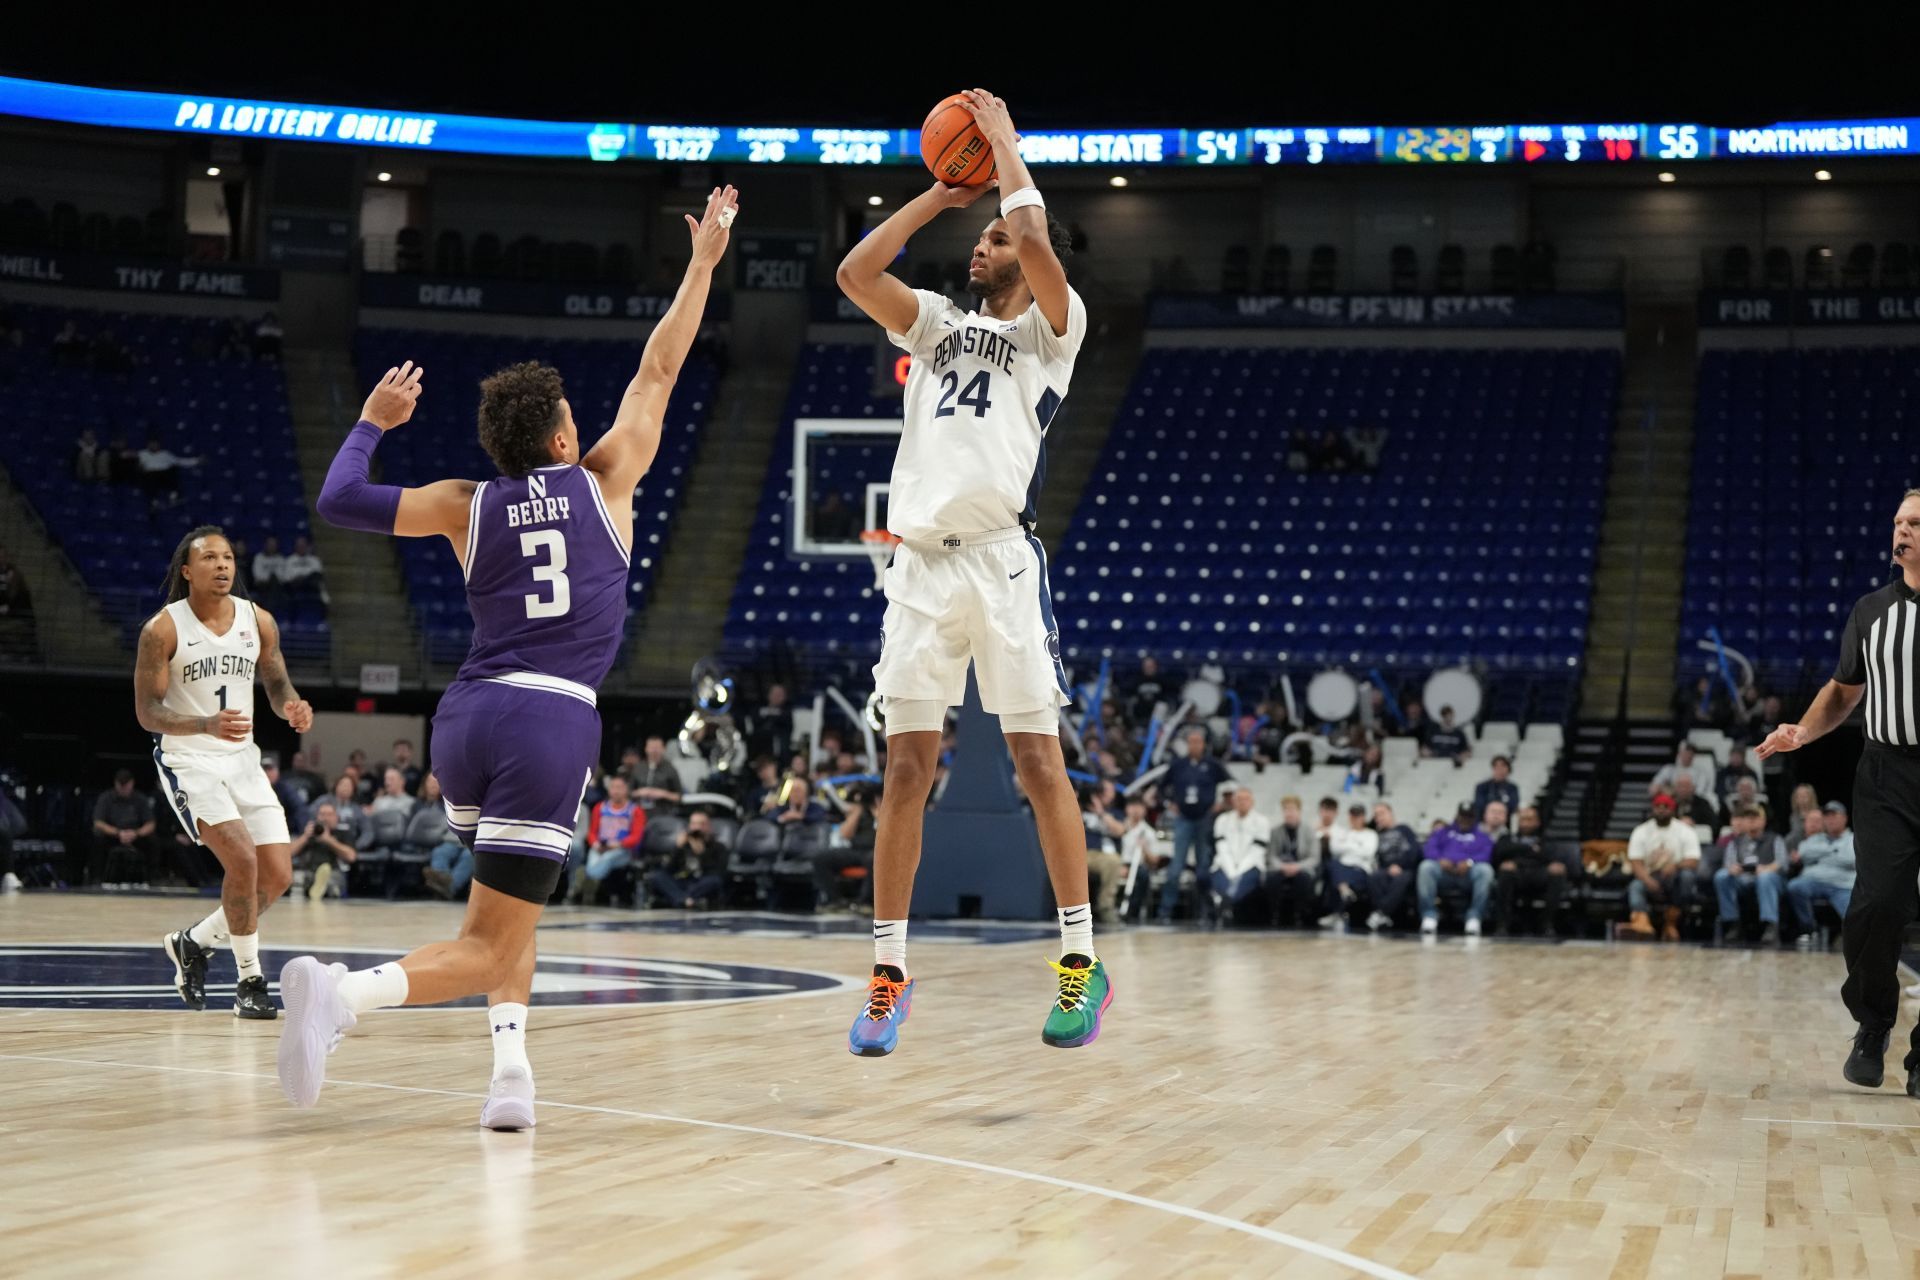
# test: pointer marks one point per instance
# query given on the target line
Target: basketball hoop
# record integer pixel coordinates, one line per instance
(879, 545)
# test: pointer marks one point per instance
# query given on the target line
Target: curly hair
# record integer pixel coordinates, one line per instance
(519, 410)
(1061, 238)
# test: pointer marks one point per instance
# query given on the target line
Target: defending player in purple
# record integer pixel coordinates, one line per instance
(544, 548)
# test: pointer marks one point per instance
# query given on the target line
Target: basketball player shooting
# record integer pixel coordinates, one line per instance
(516, 737)
(968, 581)
(193, 691)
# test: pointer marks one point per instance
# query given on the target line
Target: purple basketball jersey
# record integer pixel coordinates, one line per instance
(546, 578)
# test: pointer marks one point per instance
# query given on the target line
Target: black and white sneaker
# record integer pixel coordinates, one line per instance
(189, 968)
(250, 1000)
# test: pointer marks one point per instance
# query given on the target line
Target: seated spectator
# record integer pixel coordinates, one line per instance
(850, 844)
(1414, 724)
(763, 797)
(1140, 846)
(123, 826)
(800, 807)
(364, 785)
(393, 793)
(123, 462)
(1688, 761)
(1192, 785)
(1396, 866)
(1146, 689)
(770, 729)
(1365, 444)
(1365, 772)
(299, 787)
(14, 600)
(1353, 854)
(91, 463)
(656, 784)
(1293, 869)
(1498, 787)
(1746, 791)
(69, 347)
(696, 869)
(1459, 855)
(346, 804)
(267, 336)
(321, 851)
(1521, 863)
(401, 758)
(160, 469)
(1663, 856)
(1700, 705)
(303, 574)
(1803, 801)
(1242, 837)
(1811, 823)
(266, 573)
(1106, 824)
(1266, 740)
(1826, 869)
(289, 801)
(1448, 741)
(1751, 860)
(613, 838)
(1692, 807)
(1731, 776)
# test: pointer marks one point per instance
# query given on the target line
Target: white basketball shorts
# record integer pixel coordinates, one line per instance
(223, 786)
(981, 597)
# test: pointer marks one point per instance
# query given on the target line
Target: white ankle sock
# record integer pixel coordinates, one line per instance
(509, 1038)
(246, 954)
(383, 987)
(1076, 930)
(890, 943)
(211, 932)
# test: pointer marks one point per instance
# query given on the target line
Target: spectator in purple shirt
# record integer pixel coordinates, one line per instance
(1459, 855)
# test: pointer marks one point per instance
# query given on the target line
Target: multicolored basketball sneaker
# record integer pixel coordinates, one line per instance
(1084, 996)
(889, 999)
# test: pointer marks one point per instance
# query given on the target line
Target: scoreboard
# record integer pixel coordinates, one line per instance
(1217, 145)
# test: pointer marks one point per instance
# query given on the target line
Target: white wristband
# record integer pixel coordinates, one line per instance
(1025, 197)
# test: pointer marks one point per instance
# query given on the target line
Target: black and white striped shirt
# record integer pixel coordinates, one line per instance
(1881, 649)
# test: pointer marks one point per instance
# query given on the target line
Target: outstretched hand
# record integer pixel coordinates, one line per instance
(391, 402)
(710, 231)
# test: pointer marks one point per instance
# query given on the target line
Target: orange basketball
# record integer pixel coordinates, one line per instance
(955, 150)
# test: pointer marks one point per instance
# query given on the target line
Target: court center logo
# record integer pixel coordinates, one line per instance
(91, 975)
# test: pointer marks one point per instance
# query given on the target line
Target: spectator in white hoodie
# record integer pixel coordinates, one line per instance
(1241, 838)
(1352, 851)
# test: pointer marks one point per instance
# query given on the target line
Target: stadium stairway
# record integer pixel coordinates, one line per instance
(1642, 554)
(1100, 381)
(368, 612)
(688, 606)
(69, 628)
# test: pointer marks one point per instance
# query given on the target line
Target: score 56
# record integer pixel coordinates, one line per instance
(1676, 142)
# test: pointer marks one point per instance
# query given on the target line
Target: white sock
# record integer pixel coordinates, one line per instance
(211, 932)
(383, 987)
(890, 943)
(1076, 930)
(509, 1038)
(246, 954)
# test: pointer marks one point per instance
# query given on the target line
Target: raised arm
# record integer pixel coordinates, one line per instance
(1027, 224)
(349, 500)
(150, 674)
(622, 456)
(273, 673)
(863, 275)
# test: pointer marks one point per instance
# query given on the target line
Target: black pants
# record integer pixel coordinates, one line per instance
(1507, 885)
(1294, 899)
(827, 866)
(1886, 897)
(111, 858)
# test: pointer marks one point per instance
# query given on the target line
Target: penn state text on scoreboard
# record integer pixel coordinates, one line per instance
(1420, 144)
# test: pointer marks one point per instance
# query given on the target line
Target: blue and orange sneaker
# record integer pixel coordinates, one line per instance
(889, 999)
(1084, 996)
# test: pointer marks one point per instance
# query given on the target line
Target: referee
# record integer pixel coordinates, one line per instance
(1880, 659)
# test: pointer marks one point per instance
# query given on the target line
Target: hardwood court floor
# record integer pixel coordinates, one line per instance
(1258, 1106)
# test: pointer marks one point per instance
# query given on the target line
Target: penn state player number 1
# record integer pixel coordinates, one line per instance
(554, 571)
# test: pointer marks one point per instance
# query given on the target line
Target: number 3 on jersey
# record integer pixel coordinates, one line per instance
(554, 571)
(974, 397)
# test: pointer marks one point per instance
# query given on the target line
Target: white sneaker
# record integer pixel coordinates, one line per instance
(509, 1102)
(316, 1019)
(9, 883)
(1378, 921)
(1429, 924)
(1473, 927)
(322, 876)
(1332, 919)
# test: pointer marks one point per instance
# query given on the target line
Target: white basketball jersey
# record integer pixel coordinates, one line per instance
(211, 674)
(979, 399)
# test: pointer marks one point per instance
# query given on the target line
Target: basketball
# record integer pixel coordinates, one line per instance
(955, 150)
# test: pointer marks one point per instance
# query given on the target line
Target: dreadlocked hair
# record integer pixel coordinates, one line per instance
(176, 585)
